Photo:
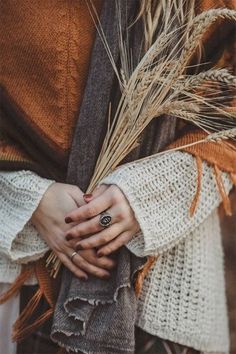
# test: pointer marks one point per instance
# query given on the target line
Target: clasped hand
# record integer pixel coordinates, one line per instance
(68, 221)
(123, 227)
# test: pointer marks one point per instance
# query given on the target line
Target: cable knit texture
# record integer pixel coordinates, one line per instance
(20, 242)
(183, 297)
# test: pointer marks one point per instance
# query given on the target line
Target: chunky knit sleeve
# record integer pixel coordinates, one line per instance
(160, 190)
(20, 194)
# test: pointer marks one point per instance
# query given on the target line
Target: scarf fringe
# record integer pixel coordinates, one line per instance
(221, 188)
(18, 283)
(199, 185)
(30, 308)
(220, 185)
(20, 332)
(226, 204)
(45, 281)
(20, 328)
(142, 274)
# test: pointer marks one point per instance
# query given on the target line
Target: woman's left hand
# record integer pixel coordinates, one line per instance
(123, 226)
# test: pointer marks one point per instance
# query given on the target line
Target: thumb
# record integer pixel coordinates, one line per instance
(77, 195)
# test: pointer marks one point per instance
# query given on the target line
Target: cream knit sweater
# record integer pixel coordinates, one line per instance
(183, 296)
(20, 194)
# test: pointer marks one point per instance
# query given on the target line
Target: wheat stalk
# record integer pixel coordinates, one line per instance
(224, 135)
(159, 85)
(218, 137)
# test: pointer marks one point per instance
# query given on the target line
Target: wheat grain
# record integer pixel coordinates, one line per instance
(200, 25)
(158, 85)
(224, 135)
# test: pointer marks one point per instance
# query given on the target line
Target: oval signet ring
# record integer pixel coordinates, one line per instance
(105, 219)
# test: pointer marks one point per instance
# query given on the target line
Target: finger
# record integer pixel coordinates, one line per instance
(93, 208)
(105, 262)
(100, 189)
(101, 238)
(77, 195)
(101, 262)
(85, 228)
(74, 269)
(97, 191)
(113, 246)
(90, 268)
(92, 226)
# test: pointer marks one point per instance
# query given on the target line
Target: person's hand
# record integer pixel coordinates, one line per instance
(124, 225)
(91, 263)
(49, 220)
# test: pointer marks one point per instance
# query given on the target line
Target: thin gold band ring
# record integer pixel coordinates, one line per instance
(72, 256)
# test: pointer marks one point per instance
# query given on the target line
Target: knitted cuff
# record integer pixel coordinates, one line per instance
(20, 195)
(160, 191)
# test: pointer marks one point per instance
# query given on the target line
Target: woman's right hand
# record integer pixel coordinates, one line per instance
(49, 220)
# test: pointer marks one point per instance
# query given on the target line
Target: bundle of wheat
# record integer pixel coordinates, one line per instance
(159, 85)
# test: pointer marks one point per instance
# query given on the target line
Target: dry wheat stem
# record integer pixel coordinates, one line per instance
(188, 115)
(159, 85)
(218, 137)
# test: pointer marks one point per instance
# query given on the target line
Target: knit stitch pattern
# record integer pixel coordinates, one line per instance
(43, 90)
(20, 242)
(183, 296)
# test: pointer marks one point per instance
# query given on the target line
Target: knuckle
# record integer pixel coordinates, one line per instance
(120, 214)
(91, 211)
(109, 249)
(90, 228)
(116, 194)
(88, 244)
(81, 232)
(104, 238)
(95, 226)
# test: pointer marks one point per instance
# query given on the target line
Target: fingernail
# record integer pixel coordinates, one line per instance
(69, 237)
(79, 248)
(88, 197)
(68, 220)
